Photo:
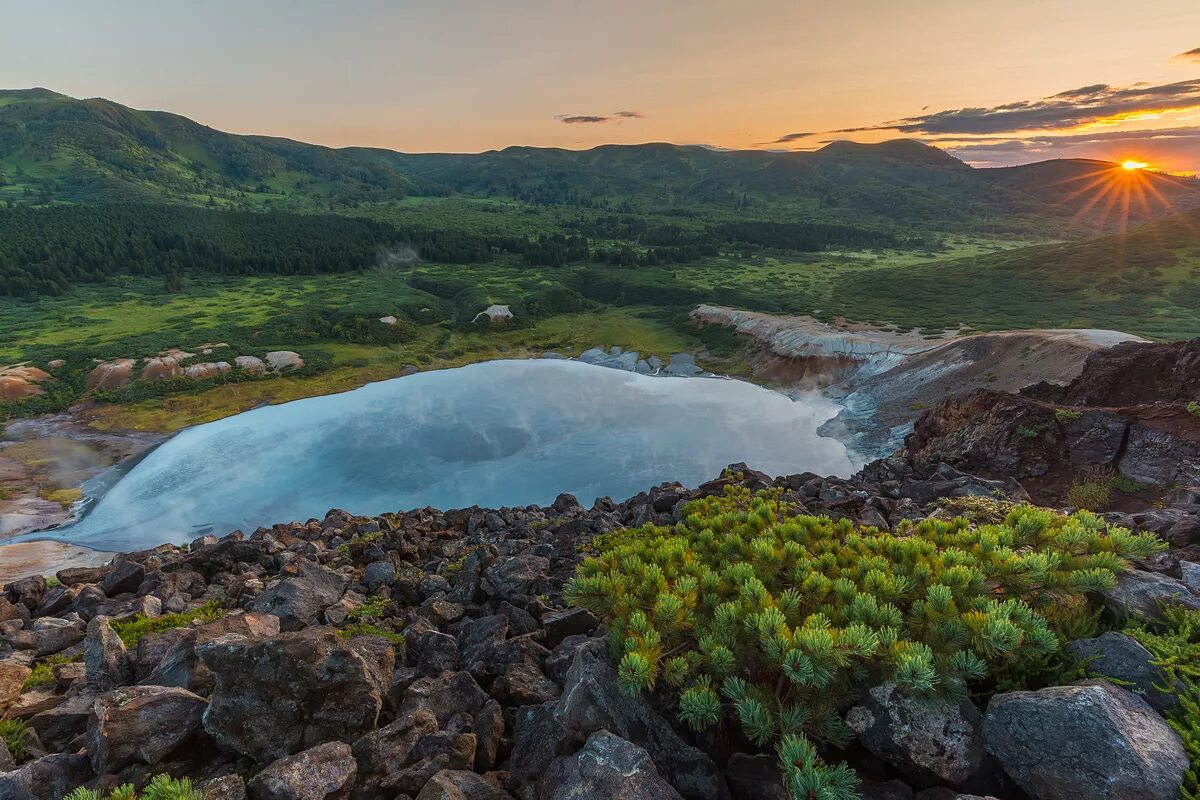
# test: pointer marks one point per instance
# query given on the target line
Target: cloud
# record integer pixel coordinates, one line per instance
(1097, 103)
(594, 119)
(581, 119)
(790, 137)
(1190, 55)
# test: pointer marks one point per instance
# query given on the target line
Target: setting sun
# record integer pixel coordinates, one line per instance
(1132, 165)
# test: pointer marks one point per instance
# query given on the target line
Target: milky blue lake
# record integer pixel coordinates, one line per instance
(497, 433)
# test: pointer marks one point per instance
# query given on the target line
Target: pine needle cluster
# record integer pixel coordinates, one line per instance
(755, 612)
(161, 787)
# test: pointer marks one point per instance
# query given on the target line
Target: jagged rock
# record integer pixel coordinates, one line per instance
(538, 739)
(1087, 741)
(382, 752)
(478, 639)
(1141, 593)
(56, 600)
(226, 787)
(931, 741)
(609, 767)
(1159, 456)
(48, 778)
(178, 664)
(51, 635)
(106, 661)
(457, 784)
(1115, 655)
(435, 652)
(7, 764)
(122, 577)
(379, 573)
(488, 727)
(140, 724)
(524, 685)
(898, 790)
(58, 725)
(568, 622)
(512, 578)
(592, 701)
(444, 697)
(300, 689)
(299, 601)
(324, 772)
(12, 678)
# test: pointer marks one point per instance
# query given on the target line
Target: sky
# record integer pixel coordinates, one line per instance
(994, 82)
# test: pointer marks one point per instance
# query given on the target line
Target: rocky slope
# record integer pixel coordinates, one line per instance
(430, 654)
(1130, 416)
(293, 680)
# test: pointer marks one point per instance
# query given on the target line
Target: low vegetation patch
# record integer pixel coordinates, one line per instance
(1090, 494)
(1176, 649)
(15, 735)
(754, 612)
(131, 631)
(42, 673)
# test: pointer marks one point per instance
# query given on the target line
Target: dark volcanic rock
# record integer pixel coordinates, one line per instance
(141, 724)
(49, 778)
(1088, 741)
(930, 741)
(609, 767)
(299, 601)
(324, 772)
(1115, 655)
(276, 696)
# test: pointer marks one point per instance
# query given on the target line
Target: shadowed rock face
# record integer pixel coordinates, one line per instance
(1127, 413)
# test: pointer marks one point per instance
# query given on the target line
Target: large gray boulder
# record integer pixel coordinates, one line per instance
(1142, 594)
(385, 751)
(299, 601)
(593, 701)
(930, 740)
(609, 767)
(1115, 655)
(277, 696)
(140, 724)
(324, 772)
(459, 784)
(1087, 741)
(107, 664)
(49, 778)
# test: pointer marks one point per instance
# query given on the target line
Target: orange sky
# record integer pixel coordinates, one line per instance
(454, 75)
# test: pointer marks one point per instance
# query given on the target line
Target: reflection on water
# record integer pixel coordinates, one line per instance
(492, 434)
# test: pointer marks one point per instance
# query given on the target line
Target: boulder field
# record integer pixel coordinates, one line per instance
(430, 655)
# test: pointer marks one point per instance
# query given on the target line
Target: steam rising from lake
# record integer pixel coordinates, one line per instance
(499, 433)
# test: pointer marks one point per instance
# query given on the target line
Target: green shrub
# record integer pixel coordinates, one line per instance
(132, 630)
(1175, 647)
(1090, 494)
(749, 608)
(372, 607)
(1065, 415)
(1194, 408)
(15, 734)
(1128, 485)
(1026, 432)
(367, 629)
(161, 787)
(42, 673)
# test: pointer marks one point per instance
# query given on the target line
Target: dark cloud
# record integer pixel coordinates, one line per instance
(585, 119)
(629, 114)
(790, 137)
(1067, 109)
(1190, 55)
(995, 151)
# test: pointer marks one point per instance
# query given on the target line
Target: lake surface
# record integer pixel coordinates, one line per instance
(497, 433)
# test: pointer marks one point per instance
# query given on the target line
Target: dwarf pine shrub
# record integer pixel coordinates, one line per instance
(161, 787)
(1175, 645)
(752, 611)
(15, 735)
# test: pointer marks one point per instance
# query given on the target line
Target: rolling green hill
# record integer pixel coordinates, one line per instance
(1145, 281)
(54, 148)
